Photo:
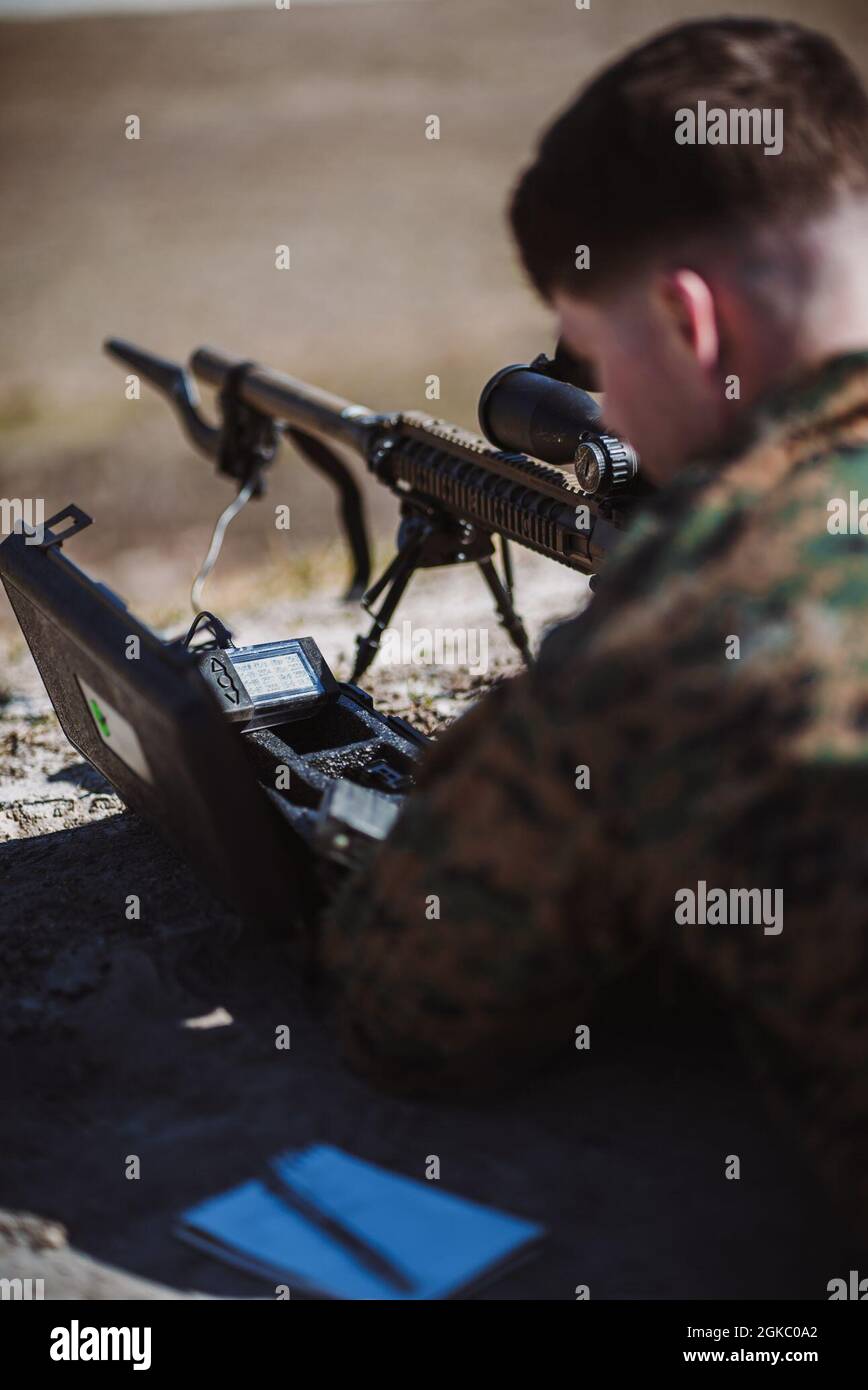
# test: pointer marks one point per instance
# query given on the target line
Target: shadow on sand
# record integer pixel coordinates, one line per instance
(620, 1150)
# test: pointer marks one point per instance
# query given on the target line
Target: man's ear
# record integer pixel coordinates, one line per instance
(688, 299)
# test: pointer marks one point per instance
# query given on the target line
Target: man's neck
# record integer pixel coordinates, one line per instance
(812, 298)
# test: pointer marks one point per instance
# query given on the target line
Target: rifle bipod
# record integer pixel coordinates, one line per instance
(426, 542)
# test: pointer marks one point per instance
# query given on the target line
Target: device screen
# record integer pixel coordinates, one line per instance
(282, 674)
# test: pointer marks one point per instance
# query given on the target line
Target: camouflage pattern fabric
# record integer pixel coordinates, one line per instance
(733, 765)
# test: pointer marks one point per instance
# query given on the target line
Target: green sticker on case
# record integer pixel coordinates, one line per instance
(116, 732)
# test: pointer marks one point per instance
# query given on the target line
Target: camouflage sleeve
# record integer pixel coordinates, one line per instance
(516, 882)
(467, 947)
(506, 893)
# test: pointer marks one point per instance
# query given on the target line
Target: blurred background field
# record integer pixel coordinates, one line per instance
(260, 127)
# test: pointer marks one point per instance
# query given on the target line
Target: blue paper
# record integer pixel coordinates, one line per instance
(439, 1241)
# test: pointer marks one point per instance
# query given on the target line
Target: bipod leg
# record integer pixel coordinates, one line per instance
(506, 612)
(394, 580)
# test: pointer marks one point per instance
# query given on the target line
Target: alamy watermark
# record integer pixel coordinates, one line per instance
(23, 1290)
(77, 1343)
(851, 1288)
(16, 513)
(438, 646)
(847, 516)
(737, 125)
(713, 907)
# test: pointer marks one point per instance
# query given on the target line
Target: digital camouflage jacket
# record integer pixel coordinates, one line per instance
(716, 692)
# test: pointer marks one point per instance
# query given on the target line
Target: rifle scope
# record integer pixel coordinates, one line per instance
(530, 409)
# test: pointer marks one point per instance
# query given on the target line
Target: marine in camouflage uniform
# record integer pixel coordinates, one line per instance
(743, 772)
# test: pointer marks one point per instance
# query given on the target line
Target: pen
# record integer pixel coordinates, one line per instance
(374, 1261)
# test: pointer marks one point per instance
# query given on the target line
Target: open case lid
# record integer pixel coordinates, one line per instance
(143, 715)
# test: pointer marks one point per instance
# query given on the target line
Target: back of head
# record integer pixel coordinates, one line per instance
(617, 171)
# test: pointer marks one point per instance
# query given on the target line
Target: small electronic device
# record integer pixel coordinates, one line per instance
(351, 818)
(268, 774)
(269, 684)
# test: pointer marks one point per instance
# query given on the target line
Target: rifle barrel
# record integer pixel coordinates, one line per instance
(287, 400)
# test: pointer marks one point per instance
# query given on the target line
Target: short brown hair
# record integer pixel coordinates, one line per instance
(609, 174)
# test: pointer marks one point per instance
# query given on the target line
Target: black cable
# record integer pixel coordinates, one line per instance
(219, 631)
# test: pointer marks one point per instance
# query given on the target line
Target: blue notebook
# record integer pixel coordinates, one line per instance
(326, 1222)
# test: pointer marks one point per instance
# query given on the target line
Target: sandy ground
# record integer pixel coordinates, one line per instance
(308, 129)
(76, 978)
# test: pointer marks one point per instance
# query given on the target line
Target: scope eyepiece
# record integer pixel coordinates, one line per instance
(529, 409)
(577, 371)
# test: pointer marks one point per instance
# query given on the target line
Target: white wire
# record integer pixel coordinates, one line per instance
(228, 514)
